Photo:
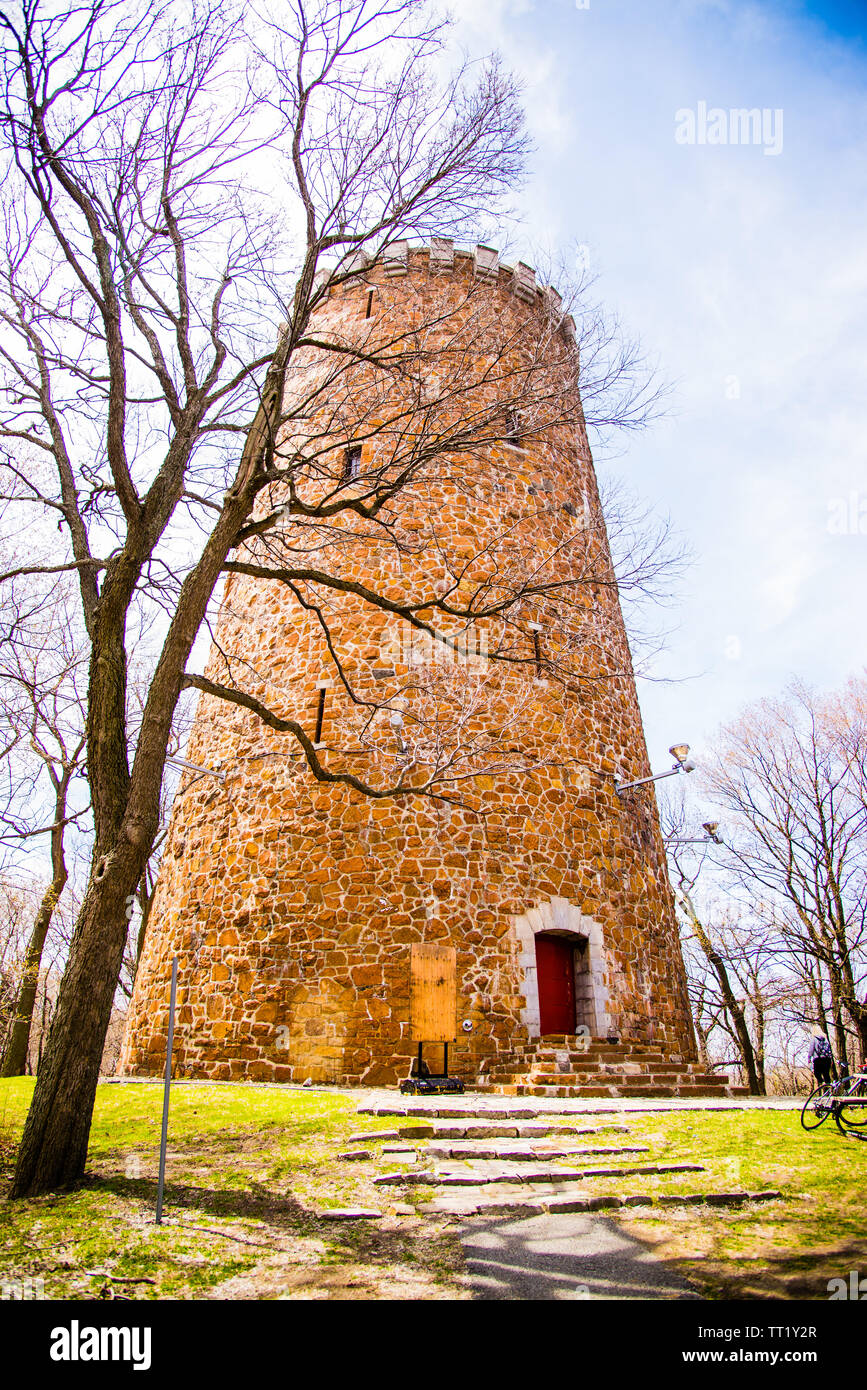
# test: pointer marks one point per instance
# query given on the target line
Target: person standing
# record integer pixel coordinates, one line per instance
(821, 1057)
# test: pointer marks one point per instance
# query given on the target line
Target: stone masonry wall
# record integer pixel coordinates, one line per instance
(293, 904)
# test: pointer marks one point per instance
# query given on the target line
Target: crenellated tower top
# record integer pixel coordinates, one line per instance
(442, 257)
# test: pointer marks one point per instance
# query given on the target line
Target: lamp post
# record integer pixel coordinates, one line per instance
(711, 832)
(678, 751)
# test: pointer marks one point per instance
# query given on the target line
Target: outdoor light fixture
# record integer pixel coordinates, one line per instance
(678, 751)
(711, 832)
(395, 719)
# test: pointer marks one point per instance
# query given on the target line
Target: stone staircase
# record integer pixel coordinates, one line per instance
(565, 1065)
(491, 1156)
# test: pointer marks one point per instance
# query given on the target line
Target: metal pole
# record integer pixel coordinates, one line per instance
(642, 781)
(167, 1089)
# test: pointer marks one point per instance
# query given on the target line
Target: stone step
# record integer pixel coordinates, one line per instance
(606, 1092)
(595, 1068)
(580, 1040)
(534, 1152)
(482, 1202)
(705, 1090)
(578, 1081)
(477, 1129)
(490, 1104)
(522, 1060)
(581, 1079)
(583, 1092)
(580, 1062)
(609, 1082)
(462, 1109)
(526, 1129)
(625, 1083)
(615, 1073)
(487, 1172)
(598, 1054)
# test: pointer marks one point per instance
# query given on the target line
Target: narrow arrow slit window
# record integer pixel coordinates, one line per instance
(352, 462)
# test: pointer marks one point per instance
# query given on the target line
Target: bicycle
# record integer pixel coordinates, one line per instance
(852, 1105)
(845, 1099)
(819, 1105)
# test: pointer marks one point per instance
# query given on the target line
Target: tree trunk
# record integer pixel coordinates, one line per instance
(703, 1055)
(734, 1010)
(145, 896)
(837, 1016)
(53, 1150)
(759, 1008)
(15, 1056)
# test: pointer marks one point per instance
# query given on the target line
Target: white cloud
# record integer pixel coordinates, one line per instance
(734, 268)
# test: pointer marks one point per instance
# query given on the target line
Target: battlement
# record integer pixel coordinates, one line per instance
(442, 257)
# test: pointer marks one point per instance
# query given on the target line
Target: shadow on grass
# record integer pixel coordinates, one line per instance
(282, 1214)
(782, 1276)
(257, 1202)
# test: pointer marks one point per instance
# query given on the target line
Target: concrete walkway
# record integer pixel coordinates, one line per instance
(571, 1256)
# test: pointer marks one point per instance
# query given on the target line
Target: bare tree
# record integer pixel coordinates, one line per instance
(730, 1009)
(790, 773)
(177, 189)
(42, 684)
(19, 902)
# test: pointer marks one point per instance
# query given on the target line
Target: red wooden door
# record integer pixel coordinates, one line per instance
(555, 970)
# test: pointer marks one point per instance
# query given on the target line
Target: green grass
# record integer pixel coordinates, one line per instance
(780, 1249)
(252, 1169)
(249, 1172)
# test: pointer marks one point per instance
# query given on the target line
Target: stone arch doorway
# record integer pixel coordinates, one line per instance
(574, 949)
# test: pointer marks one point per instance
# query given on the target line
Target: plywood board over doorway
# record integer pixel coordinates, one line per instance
(433, 995)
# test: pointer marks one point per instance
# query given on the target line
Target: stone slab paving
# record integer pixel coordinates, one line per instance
(484, 1171)
(489, 1129)
(470, 1106)
(511, 1166)
(511, 1199)
(517, 1151)
(564, 1256)
(530, 1230)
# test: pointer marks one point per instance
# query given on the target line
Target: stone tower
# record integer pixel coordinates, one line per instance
(293, 903)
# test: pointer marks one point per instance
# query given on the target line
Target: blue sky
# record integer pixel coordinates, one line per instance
(744, 273)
